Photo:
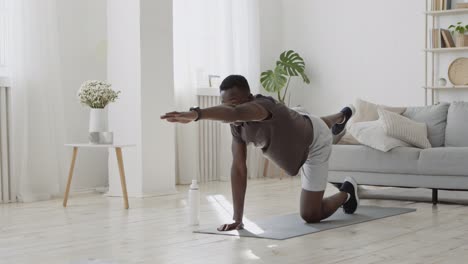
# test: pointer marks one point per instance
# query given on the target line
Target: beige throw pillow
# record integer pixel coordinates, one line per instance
(365, 111)
(405, 129)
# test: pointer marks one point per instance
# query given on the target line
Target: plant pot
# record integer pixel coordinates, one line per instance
(460, 40)
(98, 120)
(466, 40)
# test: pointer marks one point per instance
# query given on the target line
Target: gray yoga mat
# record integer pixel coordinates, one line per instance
(291, 225)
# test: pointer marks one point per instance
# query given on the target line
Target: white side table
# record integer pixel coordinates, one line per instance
(118, 152)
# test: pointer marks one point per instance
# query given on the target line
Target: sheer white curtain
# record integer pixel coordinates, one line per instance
(37, 107)
(213, 37)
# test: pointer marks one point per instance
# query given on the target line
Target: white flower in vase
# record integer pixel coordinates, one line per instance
(97, 95)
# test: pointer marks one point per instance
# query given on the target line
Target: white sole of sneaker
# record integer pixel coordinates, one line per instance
(353, 182)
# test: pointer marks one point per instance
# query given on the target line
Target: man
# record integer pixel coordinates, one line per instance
(295, 141)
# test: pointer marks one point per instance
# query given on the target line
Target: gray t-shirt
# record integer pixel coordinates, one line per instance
(284, 137)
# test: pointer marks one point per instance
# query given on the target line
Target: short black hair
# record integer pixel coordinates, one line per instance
(232, 81)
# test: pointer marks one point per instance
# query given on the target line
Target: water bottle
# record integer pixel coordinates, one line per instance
(194, 203)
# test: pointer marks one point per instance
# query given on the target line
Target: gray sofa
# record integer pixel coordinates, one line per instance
(444, 166)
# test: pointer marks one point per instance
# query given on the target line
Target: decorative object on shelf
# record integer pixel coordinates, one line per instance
(290, 64)
(97, 95)
(442, 82)
(459, 31)
(458, 71)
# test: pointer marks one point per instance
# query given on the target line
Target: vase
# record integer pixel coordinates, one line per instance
(460, 40)
(98, 120)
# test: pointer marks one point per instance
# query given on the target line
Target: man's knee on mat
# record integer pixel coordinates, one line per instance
(311, 217)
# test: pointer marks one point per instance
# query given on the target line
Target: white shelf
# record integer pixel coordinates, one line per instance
(448, 12)
(439, 50)
(456, 87)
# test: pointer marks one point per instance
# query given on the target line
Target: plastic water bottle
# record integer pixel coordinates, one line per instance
(194, 203)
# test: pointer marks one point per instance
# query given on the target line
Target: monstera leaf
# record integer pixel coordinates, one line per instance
(274, 81)
(290, 64)
(293, 64)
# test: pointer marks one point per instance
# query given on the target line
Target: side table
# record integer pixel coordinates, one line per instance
(118, 152)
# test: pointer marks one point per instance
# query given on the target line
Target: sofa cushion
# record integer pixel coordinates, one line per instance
(372, 134)
(365, 112)
(435, 116)
(444, 161)
(404, 129)
(365, 159)
(457, 125)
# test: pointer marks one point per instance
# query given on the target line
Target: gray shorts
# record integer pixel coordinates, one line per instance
(314, 172)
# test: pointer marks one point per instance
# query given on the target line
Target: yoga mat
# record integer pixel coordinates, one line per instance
(291, 225)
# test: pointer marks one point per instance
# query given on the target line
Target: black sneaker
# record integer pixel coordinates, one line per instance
(348, 111)
(350, 186)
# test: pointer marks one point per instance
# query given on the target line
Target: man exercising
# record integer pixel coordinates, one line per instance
(293, 139)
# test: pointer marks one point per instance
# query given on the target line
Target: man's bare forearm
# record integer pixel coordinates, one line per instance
(239, 186)
(222, 113)
(240, 113)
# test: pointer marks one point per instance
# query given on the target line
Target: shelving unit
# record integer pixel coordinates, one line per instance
(439, 50)
(454, 87)
(432, 53)
(446, 12)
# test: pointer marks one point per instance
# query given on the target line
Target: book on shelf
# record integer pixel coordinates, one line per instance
(447, 37)
(439, 5)
(462, 5)
(438, 40)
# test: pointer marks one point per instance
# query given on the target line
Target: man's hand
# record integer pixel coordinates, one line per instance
(180, 117)
(233, 226)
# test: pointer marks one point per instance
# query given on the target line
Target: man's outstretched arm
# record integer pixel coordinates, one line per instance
(225, 113)
(238, 184)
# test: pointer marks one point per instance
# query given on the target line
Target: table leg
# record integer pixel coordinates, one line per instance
(70, 175)
(265, 168)
(118, 152)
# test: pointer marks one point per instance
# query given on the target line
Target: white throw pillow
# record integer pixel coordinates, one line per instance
(372, 134)
(365, 111)
(405, 129)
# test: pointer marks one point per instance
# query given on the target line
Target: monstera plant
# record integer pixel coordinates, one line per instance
(290, 64)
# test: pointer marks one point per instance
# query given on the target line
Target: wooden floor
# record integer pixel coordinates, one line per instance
(96, 229)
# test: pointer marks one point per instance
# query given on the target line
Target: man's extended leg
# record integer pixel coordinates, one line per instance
(337, 122)
(331, 120)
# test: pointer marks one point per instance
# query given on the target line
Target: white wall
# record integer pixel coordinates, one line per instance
(140, 64)
(157, 96)
(123, 71)
(271, 34)
(82, 36)
(370, 49)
